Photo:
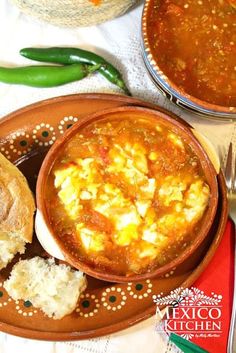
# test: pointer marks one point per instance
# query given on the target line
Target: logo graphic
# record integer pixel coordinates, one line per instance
(189, 313)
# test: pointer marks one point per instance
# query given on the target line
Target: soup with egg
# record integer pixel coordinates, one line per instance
(127, 195)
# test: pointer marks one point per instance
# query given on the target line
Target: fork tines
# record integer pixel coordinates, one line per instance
(230, 170)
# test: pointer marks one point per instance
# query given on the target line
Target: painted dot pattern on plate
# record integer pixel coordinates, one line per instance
(44, 134)
(66, 123)
(88, 305)
(17, 144)
(25, 308)
(114, 298)
(140, 290)
(4, 298)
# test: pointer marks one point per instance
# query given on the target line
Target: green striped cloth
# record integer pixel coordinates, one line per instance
(185, 345)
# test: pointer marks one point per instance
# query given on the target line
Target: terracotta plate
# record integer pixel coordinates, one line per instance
(104, 307)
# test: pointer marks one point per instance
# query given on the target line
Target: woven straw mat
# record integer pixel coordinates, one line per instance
(74, 13)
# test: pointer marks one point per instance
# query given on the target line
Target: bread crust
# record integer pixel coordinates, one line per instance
(17, 203)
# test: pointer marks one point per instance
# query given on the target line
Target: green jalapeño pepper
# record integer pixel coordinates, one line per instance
(45, 76)
(75, 55)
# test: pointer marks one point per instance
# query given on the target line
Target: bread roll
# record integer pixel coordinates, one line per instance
(55, 289)
(16, 212)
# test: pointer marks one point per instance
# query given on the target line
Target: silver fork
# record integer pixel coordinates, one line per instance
(230, 176)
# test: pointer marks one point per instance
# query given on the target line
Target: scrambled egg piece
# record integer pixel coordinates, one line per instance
(172, 190)
(148, 188)
(189, 208)
(171, 222)
(176, 140)
(190, 203)
(142, 207)
(147, 250)
(151, 232)
(76, 181)
(121, 211)
(196, 201)
(130, 161)
(90, 239)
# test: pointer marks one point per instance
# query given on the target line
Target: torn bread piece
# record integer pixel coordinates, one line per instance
(55, 289)
(17, 208)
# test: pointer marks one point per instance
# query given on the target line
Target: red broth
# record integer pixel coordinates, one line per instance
(126, 196)
(194, 44)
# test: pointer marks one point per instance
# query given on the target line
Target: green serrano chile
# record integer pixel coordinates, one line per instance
(45, 76)
(75, 55)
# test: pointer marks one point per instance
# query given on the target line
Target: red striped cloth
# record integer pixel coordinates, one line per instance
(218, 278)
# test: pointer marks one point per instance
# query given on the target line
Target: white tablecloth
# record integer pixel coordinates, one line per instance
(119, 41)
